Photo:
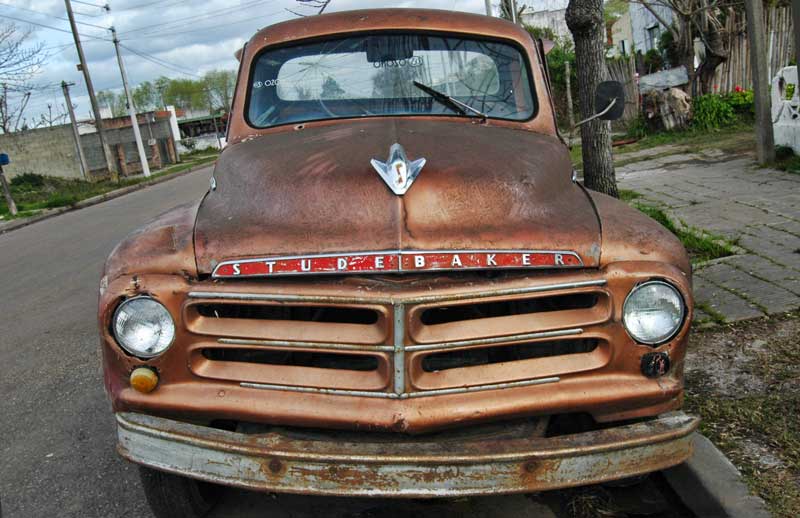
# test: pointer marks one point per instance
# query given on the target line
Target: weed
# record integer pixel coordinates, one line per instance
(701, 246)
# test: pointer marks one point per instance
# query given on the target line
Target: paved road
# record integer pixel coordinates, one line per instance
(57, 435)
(56, 431)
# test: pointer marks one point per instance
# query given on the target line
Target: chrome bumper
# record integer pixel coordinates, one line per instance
(506, 460)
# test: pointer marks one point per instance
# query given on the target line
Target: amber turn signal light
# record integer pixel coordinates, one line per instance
(144, 380)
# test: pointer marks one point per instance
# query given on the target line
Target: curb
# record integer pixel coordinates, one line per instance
(95, 200)
(711, 486)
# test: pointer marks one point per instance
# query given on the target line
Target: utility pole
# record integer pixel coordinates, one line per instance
(489, 8)
(213, 117)
(110, 162)
(84, 165)
(567, 76)
(796, 28)
(514, 11)
(756, 34)
(131, 108)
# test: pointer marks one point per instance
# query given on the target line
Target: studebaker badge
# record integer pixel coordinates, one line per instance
(397, 171)
(398, 261)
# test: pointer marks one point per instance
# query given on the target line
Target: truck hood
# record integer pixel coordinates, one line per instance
(313, 191)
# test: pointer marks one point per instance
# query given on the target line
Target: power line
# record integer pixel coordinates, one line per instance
(142, 6)
(214, 27)
(103, 6)
(22, 20)
(182, 21)
(42, 13)
(161, 62)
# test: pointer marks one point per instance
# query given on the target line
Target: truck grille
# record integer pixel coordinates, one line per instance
(400, 347)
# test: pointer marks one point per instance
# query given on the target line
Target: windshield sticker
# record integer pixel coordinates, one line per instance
(267, 83)
(415, 61)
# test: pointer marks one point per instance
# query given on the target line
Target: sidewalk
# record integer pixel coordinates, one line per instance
(756, 209)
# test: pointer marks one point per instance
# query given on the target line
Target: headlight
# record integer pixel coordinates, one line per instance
(653, 312)
(143, 327)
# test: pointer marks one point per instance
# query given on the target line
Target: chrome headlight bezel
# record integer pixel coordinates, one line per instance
(127, 347)
(666, 337)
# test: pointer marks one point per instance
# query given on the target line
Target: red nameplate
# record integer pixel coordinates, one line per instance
(394, 262)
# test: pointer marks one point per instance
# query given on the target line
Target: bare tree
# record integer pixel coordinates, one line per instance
(51, 118)
(585, 21)
(19, 62)
(319, 5)
(507, 10)
(695, 19)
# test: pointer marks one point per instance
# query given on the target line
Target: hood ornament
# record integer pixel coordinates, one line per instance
(397, 171)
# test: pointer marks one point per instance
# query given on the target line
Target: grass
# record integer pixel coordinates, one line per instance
(34, 193)
(700, 245)
(713, 315)
(757, 428)
(786, 160)
(735, 139)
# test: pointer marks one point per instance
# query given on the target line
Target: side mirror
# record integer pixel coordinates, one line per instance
(609, 100)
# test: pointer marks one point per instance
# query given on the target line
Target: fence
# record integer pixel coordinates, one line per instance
(624, 70)
(780, 48)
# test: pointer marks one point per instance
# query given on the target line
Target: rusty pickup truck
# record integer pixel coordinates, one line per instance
(395, 285)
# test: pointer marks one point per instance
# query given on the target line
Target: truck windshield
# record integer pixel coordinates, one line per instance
(374, 75)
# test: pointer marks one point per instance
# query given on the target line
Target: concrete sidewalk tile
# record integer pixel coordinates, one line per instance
(764, 268)
(711, 486)
(730, 306)
(772, 297)
(774, 234)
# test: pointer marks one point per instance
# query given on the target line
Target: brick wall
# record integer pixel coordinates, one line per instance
(44, 151)
(158, 130)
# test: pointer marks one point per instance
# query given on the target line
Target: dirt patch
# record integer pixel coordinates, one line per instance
(743, 380)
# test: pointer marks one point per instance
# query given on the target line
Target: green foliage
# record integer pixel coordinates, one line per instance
(34, 193)
(213, 91)
(668, 48)
(711, 112)
(653, 61)
(27, 181)
(786, 160)
(790, 91)
(146, 97)
(742, 102)
(701, 247)
(557, 59)
(545, 33)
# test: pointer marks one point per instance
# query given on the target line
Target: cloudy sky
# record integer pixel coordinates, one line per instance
(180, 38)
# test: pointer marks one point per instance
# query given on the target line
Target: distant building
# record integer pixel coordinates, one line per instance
(621, 37)
(548, 14)
(646, 30)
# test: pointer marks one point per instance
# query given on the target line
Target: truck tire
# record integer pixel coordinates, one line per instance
(173, 496)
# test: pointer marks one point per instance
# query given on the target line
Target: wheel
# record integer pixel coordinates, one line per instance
(173, 496)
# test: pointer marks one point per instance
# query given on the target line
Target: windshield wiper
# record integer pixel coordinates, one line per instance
(452, 103)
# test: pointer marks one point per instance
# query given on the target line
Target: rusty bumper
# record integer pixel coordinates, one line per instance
(504, 459)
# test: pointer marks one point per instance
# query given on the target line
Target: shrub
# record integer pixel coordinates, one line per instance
(28, 181)
(653, 61)
(711, 112)
(742, 102)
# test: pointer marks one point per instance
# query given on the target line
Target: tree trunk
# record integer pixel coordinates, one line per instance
(756, 34)
(585, 21)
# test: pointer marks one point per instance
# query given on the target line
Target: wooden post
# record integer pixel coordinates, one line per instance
(75, 133)
(570, 112)
(765, 142)
(796, 29)
(12, 207)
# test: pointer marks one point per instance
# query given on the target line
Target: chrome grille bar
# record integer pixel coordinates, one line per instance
(220, 295)
(403, 395)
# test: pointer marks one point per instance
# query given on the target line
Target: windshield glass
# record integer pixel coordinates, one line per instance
(373, 75)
